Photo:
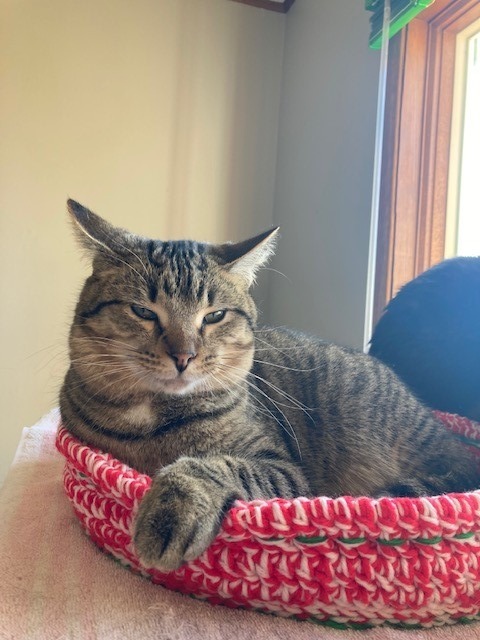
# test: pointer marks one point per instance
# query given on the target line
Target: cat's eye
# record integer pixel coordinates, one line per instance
(143, 312)
(214, 316)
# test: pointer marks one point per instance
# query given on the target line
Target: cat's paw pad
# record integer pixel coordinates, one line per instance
(177, 520)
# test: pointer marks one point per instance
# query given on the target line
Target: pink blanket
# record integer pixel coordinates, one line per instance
(56, 585)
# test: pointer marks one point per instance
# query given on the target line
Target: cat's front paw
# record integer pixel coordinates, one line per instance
(178, 519)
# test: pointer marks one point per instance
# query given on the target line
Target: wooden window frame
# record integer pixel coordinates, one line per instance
(416, 148)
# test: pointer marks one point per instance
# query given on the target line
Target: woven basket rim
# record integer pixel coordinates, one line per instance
(388, 519)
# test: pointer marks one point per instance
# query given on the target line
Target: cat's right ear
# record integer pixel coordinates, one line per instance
(246, 257)
(93, 232)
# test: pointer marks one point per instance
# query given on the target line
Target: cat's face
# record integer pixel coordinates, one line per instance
(163, 317)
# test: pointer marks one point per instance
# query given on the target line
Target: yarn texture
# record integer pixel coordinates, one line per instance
(346, 562)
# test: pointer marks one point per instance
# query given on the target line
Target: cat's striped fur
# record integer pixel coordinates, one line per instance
(170, 374)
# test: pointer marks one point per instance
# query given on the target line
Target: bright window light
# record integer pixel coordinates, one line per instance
(468, 229)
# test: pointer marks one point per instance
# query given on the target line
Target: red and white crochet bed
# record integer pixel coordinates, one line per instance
(344, 561)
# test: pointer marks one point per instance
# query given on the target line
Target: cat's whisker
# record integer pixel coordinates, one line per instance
(99, 360)
(296, 403)
(132, 268)
(292, 434)
(264, 410)
(220, 382)
(54, 358)
(105, 387)
(95, 356)
(105, 350)
(100, 339)
(280, 366)
(293, 405)
(296, 348)
(100, 376)
(271, 346)
(38, 352)
(122, 246)
(238, 383)
(279, 272)
(51, 351)
(102, 389)
(140, 379)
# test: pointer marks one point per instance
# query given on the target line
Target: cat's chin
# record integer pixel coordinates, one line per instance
(179, 386)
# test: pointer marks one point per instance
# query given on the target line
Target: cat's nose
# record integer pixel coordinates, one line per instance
(182, 360)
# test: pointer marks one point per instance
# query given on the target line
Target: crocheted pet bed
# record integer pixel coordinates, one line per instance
(347, 562)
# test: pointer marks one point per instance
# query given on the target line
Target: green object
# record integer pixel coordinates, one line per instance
(402, 11)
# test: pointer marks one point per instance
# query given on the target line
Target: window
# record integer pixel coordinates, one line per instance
(416, 154)
(463, 212)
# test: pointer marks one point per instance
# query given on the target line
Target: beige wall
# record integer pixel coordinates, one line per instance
(162, 115)
(159, 114)
(324, 171)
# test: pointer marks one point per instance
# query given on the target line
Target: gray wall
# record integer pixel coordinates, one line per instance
(324, 170)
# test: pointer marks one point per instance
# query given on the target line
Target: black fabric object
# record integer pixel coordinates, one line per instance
(429, 334)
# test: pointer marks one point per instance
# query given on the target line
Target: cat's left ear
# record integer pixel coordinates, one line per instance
(245, 258)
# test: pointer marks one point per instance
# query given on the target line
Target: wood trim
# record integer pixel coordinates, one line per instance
(280, 7)
(416, 150)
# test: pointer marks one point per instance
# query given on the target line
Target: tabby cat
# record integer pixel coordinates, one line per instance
(169, 373)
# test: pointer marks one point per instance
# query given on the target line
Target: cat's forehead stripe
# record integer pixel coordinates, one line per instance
(159, 251)
(152, 247)
(181, 268)
(152, 290)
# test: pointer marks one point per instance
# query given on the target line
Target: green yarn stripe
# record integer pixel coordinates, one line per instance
(394, 542)
(312, 540)
(359, 626)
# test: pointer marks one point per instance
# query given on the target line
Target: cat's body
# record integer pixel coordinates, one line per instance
(332, 421)
(429, 334)
(169, 374)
